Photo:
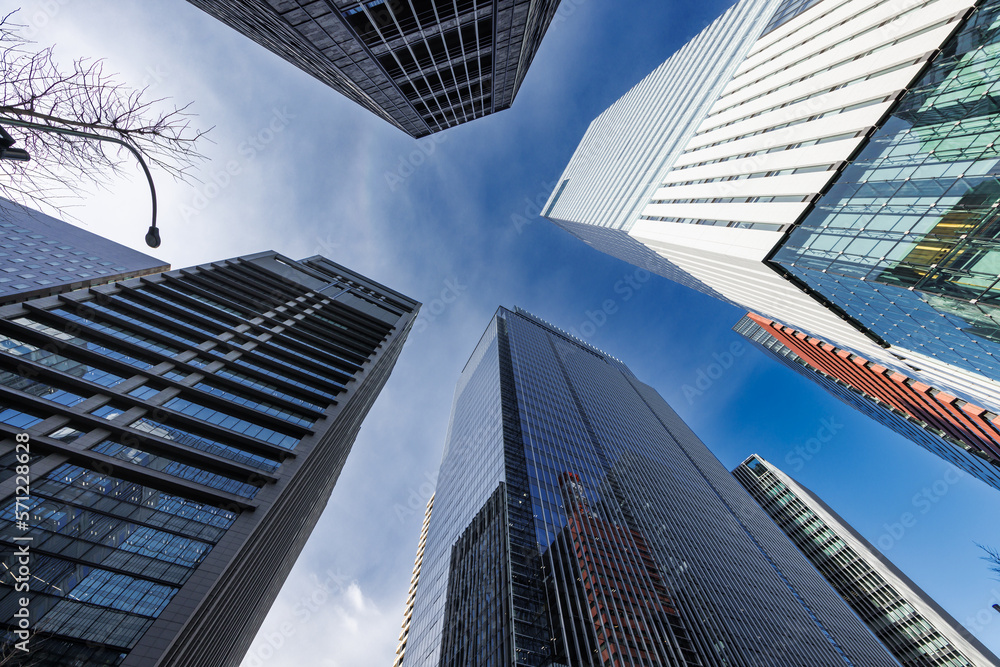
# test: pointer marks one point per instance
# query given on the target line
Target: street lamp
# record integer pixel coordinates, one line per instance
(7, 152)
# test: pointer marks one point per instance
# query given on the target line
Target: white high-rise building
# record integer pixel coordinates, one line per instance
(701, 171)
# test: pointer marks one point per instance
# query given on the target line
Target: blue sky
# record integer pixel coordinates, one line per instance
(310, 172)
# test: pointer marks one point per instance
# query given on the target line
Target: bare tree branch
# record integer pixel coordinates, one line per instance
(34, 88)
(992, 557)
(11, 656)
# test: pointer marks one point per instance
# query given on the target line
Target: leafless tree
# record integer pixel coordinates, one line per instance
(83, 98)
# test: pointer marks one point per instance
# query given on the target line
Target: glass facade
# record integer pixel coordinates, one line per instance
(906, 240)
(423, 65)
(109, 555)
(911, 625)
(577, 521)
(182, 427)
(786, 11)
(965, 438)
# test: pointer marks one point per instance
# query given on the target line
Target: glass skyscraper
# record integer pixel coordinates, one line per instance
(185, 432)
(422, 65)
(911, 625)
(578, 521)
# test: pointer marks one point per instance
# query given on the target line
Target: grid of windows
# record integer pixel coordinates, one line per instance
(173, 399)
(447, 58)
(626, 150)
(40, 254)
(40, 389)
(266, 387)
(906, 238)
(108, 554)
(232, 423)
(424, 65)
(256, 404)
(167, 465)
(85, 336)
(570, 491)
(932, 438)
(249, 363)
(893, 607)
(131, 335)
(201, 442)
(56, 361)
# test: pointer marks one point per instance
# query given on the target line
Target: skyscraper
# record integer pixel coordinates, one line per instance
(910, 624)
(422, 65)
(959, 432)
(838, 166)
(578, 521)
(185, 431)
(411, 596)
(41, 255)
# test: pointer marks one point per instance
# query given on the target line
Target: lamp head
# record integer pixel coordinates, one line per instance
(153, 237)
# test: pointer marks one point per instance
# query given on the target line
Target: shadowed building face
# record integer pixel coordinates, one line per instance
(422, 65)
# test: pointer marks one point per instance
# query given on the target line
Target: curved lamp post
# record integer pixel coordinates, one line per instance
(9, 153)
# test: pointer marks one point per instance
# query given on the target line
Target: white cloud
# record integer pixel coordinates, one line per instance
(325, 625)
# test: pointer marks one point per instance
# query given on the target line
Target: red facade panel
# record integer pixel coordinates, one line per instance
(969, 424)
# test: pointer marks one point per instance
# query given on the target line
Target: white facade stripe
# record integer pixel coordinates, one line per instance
(628, 147)
(713, 188)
